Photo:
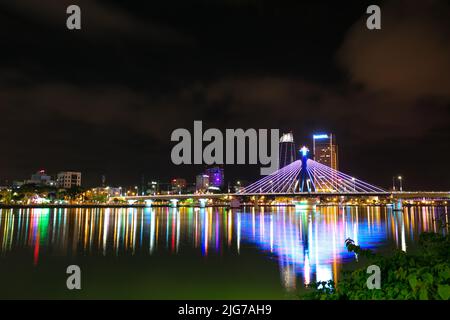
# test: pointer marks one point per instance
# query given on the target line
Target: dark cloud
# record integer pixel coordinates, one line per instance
(284, 101)
(409, 57)
(100, 20)
(114, 106)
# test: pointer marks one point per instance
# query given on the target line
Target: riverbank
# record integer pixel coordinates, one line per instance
(102, 206)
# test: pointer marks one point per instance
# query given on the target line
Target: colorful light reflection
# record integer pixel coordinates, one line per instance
(307, 244)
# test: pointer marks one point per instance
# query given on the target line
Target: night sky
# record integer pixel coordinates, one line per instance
(105, 99)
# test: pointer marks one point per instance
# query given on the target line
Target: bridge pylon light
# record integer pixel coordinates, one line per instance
(305, 181)
(304, 151)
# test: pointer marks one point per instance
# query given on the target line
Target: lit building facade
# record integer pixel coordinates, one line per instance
(325, 150)
(178, 184)
(68, 179)
(216, 177)
(153, 187)
(201, 182)
(287, 150)
(40, 178)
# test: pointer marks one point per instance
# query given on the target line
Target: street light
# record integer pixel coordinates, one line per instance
(401, 185)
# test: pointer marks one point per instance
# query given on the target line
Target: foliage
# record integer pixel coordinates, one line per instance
(407, 276)
(100, 198)
(22, 194)
(118, 201)
(74, 192)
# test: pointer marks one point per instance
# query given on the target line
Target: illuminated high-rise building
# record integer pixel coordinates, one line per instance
(216, 177)
(325, 150)
(287, 150)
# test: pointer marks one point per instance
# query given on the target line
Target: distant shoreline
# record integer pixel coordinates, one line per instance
(62, 206)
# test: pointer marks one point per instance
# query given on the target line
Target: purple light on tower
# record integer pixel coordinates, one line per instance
(216, 176)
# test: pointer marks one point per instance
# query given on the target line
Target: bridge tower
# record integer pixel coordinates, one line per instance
(305, 183)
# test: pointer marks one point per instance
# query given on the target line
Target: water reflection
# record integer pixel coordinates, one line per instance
(307, 245)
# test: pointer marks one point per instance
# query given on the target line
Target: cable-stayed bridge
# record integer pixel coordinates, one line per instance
(309, 176)
(304, 178)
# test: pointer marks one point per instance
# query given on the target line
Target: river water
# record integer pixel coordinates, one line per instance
(192, 253)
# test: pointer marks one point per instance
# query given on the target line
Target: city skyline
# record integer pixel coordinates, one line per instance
(144, 181)
(288, 153)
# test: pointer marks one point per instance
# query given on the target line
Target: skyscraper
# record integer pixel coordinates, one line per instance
(287, 150)
(216, 176)
(325, 150)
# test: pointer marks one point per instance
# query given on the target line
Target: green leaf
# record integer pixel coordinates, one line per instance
(444, 291)
(428, 278)
(445, 274)
(423, 295)
(412, 279)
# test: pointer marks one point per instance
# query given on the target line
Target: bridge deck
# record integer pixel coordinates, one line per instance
(403, 195)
